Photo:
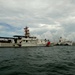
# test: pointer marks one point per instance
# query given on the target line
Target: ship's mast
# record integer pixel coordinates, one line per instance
(26, 30)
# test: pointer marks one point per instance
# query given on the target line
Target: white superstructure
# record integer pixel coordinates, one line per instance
(32, 42)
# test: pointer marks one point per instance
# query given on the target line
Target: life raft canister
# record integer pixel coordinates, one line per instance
(48, 43)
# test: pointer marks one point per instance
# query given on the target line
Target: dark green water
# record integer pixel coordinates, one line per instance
(57, 60)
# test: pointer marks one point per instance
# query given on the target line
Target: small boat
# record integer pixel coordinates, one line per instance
(64, 42)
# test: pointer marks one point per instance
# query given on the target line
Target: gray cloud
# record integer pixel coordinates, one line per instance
(45, 18)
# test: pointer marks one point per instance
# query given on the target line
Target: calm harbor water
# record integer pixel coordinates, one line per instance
(57, 60)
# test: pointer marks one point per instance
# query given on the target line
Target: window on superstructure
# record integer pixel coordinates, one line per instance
(23, 40)
(26, 40)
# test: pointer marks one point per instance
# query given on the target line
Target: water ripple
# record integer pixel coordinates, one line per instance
(38, 61)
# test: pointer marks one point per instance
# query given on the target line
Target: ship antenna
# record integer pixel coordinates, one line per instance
(26, 30)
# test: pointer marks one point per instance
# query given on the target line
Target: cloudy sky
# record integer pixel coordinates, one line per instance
(45, 18)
